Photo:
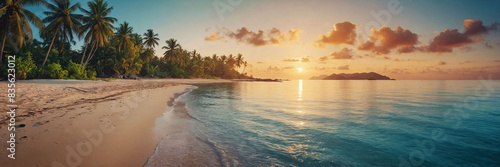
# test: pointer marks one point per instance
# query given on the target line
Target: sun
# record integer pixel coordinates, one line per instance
(300, 69)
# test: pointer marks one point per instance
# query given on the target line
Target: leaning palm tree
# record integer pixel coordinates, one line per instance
(124, 36)
(150, 39)
(98, 27)
(14, 22)
(63, 23)
(172, 54)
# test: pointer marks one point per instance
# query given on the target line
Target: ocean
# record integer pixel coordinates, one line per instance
(334, 123)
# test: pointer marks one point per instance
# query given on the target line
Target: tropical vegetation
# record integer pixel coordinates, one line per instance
(107, 51)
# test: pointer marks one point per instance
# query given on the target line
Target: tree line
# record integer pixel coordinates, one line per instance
(107, 51)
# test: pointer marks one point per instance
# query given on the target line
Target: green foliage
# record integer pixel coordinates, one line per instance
(54, 71)
(75, 71)
(24, 67)
(91, 75)
(179, 73)
(151, 71)
(107, 50)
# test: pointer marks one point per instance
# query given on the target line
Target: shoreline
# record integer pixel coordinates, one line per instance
(90, 123)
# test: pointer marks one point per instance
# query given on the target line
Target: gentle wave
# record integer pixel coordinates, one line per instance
(334, 123)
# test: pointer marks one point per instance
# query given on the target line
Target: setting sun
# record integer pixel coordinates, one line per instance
(249, 83)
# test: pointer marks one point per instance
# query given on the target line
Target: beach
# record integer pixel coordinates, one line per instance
(88, 123)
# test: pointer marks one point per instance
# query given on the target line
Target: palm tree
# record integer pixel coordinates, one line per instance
(133, 65)
(150, 39)
(61, 17)
(222, 65)
(239, 60)
(223, 59)
(98, 27)
(148, 55)
(231, 61)
(124, 36)
(14, 20)
(171, 54)
(137, 40)
(244, 66)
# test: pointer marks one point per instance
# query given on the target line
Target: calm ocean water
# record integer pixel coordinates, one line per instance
(345, 123)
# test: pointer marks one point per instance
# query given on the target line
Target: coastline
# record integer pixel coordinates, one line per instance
(82, 123)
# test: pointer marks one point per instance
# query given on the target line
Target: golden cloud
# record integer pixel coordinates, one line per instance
(342, 33)
(385, 39)
(256, 38)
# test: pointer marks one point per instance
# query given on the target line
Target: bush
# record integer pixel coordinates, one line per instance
(24, 67)
(35, 73)
(91, 75)
(54, 71)
(75, 71)
(179, 73)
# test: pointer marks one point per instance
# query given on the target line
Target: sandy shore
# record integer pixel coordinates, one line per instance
(88, 123)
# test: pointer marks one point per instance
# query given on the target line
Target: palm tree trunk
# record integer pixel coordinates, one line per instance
(84, 51)
(50, 47)
(90, 57)
(61, 48)
(3, 45)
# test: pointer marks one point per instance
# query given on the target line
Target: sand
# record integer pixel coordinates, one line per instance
(88, 123)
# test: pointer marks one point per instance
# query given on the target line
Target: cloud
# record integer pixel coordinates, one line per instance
(441, 63)
(447, 40)
(385, 39)
(324, 58)
(256, 38)
(346, 67)
(213, 37)
(496, 61)
(291, 60)
(476, 27)
(259, 62)
(324, 68)
(294, 34)
(303, 60)
(410, 60)
(271, 68)
(342, 33)
(250, 37)
(345, 53)
(288, 68)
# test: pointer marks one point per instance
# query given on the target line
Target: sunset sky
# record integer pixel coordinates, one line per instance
(422, 39)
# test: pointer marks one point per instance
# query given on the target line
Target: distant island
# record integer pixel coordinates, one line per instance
(354, 76)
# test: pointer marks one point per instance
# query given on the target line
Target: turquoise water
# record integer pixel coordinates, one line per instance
(348, 123)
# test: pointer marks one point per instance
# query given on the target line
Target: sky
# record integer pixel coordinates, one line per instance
(297, 39)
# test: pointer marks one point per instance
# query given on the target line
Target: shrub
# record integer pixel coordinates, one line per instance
(75, 71)
(91, 75)
(179, 73)
(24, 67)
(55, 71)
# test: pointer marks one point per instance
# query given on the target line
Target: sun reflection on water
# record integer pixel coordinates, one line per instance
(300, 91)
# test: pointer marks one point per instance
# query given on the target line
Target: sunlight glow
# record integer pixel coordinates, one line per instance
(300, 90)
(300, 69)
